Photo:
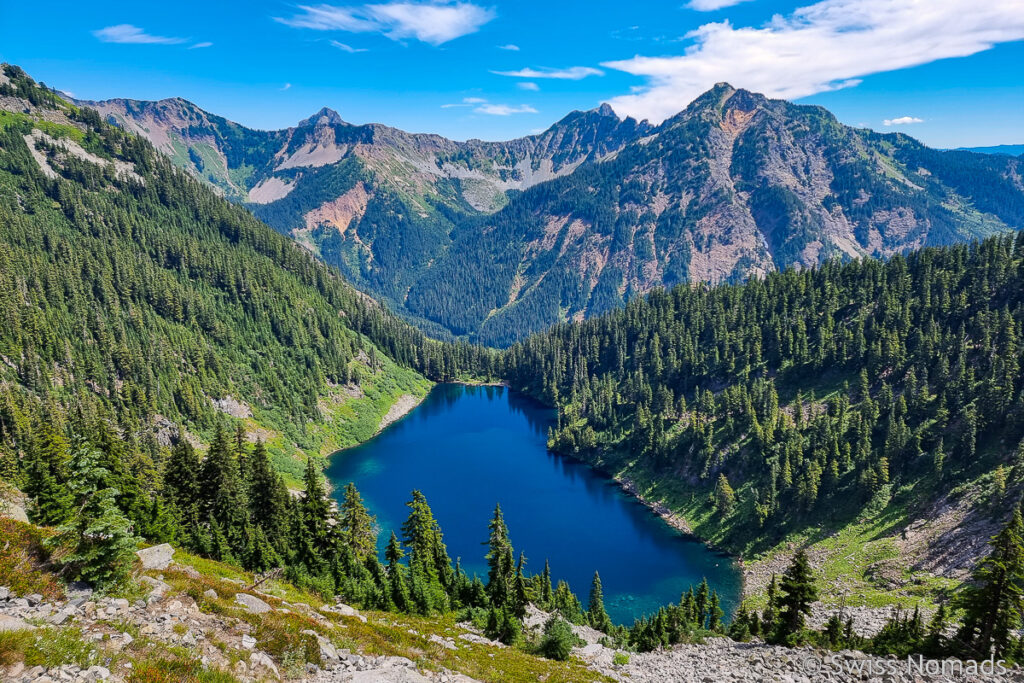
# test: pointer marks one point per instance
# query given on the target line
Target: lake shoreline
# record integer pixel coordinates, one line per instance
(440, 452)
(670, 518)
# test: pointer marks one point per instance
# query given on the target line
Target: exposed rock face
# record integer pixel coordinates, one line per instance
(736, 185)
(157, 557)
(398, 410)
(252, 604)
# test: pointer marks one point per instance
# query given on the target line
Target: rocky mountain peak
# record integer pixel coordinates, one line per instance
(606, 110)
(325, 117)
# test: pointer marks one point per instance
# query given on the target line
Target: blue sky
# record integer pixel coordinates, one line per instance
(946, 71)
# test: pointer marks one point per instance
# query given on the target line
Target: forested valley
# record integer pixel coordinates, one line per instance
(131, 294)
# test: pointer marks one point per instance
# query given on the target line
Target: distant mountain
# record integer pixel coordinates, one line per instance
(493, 240)
(131, 294)
(377, 202)
(1008, 150)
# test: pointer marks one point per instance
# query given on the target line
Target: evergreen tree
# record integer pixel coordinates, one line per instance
(798, 592)
(268, 495)
(545, 585)
(558, 639)
(97, 541)
(499, 560)
(47, 476)
(357, 524)
(316, 510)
(715, 613)
(223, 497)
(993, 602)
(396, 574)
(596, 614)
(180, 477)
(725, 498)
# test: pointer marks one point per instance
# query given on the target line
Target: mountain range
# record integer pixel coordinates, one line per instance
(490, 241)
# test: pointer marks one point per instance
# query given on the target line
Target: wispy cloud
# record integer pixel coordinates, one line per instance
(434, 23)
(126, 33)
(573, 73)
(347, 48)
(198, 46)
(466, 102)
(510, 46)
(902, 121)
(528, 85)
(504, 109)
(482, 106)
(286, 86)
(711, 5)
(818, 48)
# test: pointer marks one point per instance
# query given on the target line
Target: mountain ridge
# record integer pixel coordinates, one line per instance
(493, 240)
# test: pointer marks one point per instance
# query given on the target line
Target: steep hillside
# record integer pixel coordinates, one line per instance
(375, 201)
(736, 185)
(130, 291)
(873, 412)
(491, 241)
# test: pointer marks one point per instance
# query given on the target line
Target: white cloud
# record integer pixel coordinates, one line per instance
(528, 85)
(466, 102)
(433, 22)
(198, 46)
(482, 106)
(573, 73)
(902, 120)
(347, 48)
(504, 109)
(711, 5)
(818, 48)
(126, 33)
(510, 46)
(286, 86)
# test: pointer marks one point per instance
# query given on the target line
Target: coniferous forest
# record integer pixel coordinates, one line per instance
(130, 294)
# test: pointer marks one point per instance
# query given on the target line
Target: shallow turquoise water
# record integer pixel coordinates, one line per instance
(468, 448)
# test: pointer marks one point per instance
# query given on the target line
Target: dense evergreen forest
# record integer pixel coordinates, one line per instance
(804, 395)
(134, 294)
(131, 294)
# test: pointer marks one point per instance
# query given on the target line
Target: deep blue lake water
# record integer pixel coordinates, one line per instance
(468, 448)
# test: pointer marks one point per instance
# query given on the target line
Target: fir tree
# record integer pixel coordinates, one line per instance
(51, 502)
(798, 592)
(268, 495)
(396, 574)
(499, 560)
(180, 478)
(357, 524)
(994, 600)
(97, 539)
(596, 614)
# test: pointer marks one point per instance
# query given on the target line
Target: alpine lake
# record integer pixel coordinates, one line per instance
(470, 447)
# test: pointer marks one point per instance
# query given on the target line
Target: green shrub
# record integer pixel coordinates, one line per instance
(558, 639)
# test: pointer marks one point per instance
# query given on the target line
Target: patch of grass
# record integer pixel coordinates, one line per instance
(620, 659)
(13, 645)
(23, 559)
(58, 646)
(166, 670)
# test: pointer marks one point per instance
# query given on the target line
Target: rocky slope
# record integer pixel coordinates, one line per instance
(493, 240)
(183, 623)
(379, 203)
